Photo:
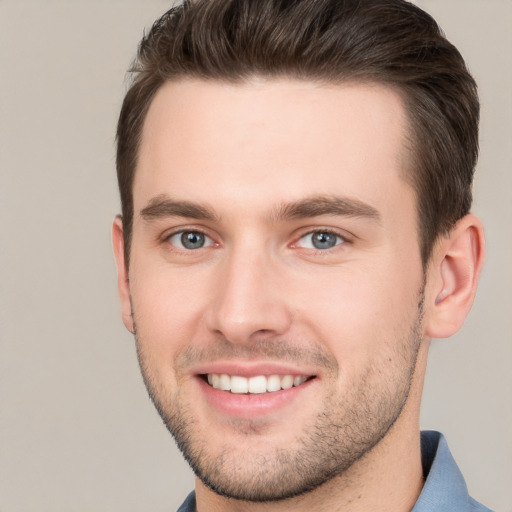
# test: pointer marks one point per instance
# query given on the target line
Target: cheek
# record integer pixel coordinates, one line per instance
(168, 308)
(361, 313)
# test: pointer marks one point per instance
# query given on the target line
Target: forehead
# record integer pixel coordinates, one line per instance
(267, 141)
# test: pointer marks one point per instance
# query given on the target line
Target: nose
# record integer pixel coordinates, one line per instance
(249, 302)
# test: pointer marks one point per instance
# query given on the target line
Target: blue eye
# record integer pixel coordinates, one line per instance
(320, 240)
(190, 240)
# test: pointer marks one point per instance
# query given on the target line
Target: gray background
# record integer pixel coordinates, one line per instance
(77, 431)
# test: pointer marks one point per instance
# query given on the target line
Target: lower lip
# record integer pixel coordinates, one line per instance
(251, 405)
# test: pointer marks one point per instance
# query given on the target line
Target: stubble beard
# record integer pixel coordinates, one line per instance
(347, 428)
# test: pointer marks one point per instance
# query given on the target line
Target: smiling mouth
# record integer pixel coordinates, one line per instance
(258, 384)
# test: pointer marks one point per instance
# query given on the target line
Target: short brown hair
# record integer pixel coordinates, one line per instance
(392, 42)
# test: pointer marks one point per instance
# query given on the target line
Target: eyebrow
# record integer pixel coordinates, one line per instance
(325, 205)
(163, 206)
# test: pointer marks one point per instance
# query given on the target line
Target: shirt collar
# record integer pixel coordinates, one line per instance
(445, 488)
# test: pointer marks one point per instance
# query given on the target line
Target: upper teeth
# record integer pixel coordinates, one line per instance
(257, 384)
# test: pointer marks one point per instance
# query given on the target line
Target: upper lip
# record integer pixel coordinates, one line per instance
(251, 369)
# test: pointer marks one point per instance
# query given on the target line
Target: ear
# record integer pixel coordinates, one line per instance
(123, 283)
(453, 277)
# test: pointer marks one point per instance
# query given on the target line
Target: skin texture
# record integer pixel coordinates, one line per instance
(256, 168)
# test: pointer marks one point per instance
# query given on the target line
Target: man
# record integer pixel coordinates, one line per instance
(295, 179)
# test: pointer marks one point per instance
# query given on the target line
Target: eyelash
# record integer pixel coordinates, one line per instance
(340, 240)
(168, 239)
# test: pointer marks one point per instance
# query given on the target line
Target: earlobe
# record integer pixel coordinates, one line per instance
(456, 265)
(123, 282)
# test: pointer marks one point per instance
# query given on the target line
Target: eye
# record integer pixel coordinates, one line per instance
(320, 240)
(190, 240)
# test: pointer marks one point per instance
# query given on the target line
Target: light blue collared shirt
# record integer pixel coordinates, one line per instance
(444, 490)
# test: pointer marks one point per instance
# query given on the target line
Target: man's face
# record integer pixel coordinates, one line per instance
(275, 243)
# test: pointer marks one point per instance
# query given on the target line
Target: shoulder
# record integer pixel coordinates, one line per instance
(474, 506)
